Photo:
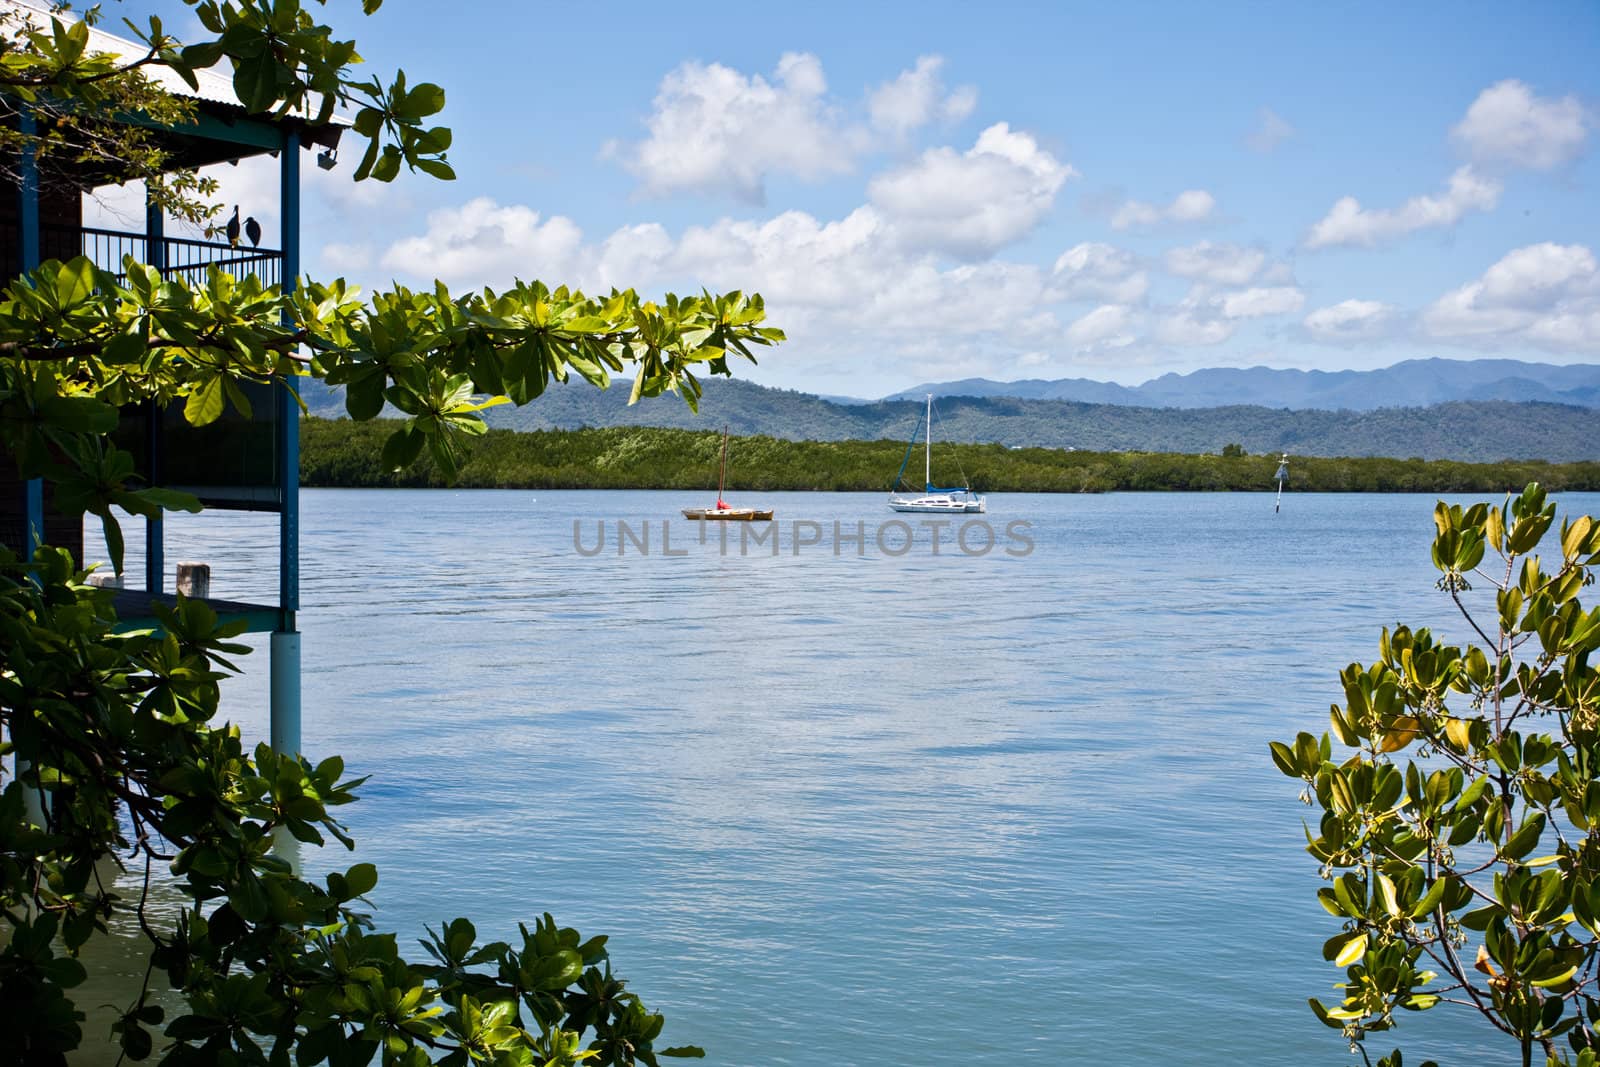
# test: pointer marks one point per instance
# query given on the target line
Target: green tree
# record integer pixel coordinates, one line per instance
(1459, 797)
(120, 733)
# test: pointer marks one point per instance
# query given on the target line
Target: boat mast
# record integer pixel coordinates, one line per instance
(722, 468)
(927, 452)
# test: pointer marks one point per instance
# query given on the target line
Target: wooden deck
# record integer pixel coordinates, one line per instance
(134, 611)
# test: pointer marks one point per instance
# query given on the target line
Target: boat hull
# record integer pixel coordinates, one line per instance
(728, 514)
(933, 505)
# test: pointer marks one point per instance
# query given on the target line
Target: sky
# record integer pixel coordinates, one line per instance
(931, 191)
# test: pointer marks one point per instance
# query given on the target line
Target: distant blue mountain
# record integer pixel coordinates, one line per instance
(1413, 383)
(1503, 422)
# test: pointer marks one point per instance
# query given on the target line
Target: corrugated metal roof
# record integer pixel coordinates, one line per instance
(215, 87)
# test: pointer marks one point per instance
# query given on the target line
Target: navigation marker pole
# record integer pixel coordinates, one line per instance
(1283, 476)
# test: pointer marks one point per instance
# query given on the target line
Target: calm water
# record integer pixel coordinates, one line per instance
(918, 809)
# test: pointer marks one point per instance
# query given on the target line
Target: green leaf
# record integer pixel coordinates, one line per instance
(1386, 894)
(368, 121)
(1555, 979)
(361, 879)
(1355, 950)
(401, 449)
(205, 404)
(388, 165)
(202, 55)
(124, 348)
(78, 414)
(113, 535)
(168, 499)
(1283, 756)
(236, 396)
(1431, 899)
(1526, 839)
(438, 168)
(424, 100)
(75, 281)
(1322, 1013)
(255, 81)
(363, 397)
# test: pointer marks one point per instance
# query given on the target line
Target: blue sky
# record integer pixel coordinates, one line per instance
(928, 191)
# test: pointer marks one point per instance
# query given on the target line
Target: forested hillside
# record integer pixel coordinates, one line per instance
(1478, 431)
(342, 453)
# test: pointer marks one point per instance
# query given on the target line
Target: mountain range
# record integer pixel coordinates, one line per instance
(1413, 383)
(1475, 430)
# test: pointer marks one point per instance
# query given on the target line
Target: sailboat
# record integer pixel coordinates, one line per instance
(933, 500)
(722, 509)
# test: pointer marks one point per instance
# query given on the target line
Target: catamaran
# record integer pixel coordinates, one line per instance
(722, 509)
(933, 499)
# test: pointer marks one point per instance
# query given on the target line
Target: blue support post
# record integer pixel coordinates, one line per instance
(155, 565)
(28, 238)
(33, 504)
(288, 410)
(285, 692)
(285, 728)
(284, 733)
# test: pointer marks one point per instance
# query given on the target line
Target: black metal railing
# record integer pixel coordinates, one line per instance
(178, 257)
(181, 257)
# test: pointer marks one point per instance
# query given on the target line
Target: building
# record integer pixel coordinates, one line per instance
(237, 463)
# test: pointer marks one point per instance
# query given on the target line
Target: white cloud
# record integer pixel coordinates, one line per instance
(1547, 295)
(853, 286)
(713, 129)
(1095, 271)
(115, 207)
(1260, 302)
(628, 255)
(343, 259)
(917, 97)
(971, 204)
(717, 130)
(1107, 326)
(845, 285)
(1508, 124)
(1270, 132)
(254, 186)
(1348, 223)
(1188, 325)
(1537, 276)
(961, 102)
(1216, 263)
(1205, 317)
(484, 243)
(800, 261)
(1191, 205)
(1350, 320)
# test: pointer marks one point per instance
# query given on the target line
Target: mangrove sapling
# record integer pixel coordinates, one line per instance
(1458, 797)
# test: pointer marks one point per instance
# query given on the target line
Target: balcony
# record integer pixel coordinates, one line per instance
(177, 257)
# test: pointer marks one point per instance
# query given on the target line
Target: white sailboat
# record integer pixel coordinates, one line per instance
(933, 500)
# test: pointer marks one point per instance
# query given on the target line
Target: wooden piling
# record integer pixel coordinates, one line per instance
(194, 580)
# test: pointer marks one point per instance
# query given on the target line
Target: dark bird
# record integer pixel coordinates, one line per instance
(233, 227)
(252, 230)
